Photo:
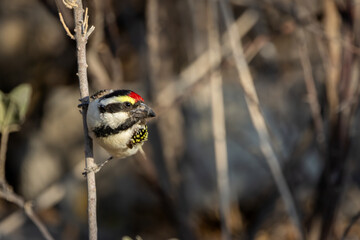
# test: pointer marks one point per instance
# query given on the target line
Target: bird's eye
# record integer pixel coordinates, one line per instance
(127, 104)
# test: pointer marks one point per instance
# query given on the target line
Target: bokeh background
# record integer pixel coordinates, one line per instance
(304, 61)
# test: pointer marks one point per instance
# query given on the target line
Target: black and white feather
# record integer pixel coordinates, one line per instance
(117, 121)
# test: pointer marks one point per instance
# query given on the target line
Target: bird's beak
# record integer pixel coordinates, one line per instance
(143, 111)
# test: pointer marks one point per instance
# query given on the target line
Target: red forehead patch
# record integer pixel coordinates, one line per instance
(136, 96)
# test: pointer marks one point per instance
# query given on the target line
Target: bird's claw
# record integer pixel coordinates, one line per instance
(93, 169)
(83, 104)
(96, 168)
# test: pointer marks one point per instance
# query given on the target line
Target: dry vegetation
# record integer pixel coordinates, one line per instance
(240, 88)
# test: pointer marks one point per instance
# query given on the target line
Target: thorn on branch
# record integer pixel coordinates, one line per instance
(92, 28)
(85, 31)
(65, 27)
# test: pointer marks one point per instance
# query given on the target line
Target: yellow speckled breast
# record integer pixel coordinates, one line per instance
(139, 136)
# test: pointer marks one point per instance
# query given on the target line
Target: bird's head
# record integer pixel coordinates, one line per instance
(117, 109)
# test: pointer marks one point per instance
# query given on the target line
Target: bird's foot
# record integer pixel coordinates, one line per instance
(96, 168)
(84, 103)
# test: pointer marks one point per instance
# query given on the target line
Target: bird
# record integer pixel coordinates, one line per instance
(116, 120)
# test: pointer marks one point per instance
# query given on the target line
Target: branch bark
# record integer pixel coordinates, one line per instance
(81, 37)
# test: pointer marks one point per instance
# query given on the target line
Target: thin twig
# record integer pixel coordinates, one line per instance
(218, 121)
(354, 219)
(47, 199)
(5, 131)
(65, 27)
(201, 66)
(89, 32)
(7, 193)
(312, 92)
(3, 150)
(332, 23)
(70, 3)
(85, 24)
(250, 52)
(258, 118)
(81, 40)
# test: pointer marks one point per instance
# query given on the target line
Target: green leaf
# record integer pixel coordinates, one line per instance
(21, 97)
(2, 108)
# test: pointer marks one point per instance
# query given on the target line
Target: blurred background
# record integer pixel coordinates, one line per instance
(304, 62)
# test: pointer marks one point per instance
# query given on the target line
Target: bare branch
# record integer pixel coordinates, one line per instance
(354, 219)
(65, 27)
(81, 40)
(258, 119)
(332, 24)
(218, 121)
(201, 66)
(7, 193)
(312, 93)
(3, 150)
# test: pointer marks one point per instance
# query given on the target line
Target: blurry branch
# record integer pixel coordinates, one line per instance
(311, 24)
(243, 3)
(321, 33)
(218, 120)
(13, 108)
(354, 219)
(258, 118)
(332, 24)
(82, 33)
(104, 67)
(48, 198)
(70, 3)
(250, 52)
(7, 193)
(161, 64)
(312, 93)
(201, 66)
(342, 91)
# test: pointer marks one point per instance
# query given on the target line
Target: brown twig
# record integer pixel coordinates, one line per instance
(65, 27)
(5, 131)
(3, 150)
(70, 3)
(47, 199)
(258, 119)
(81, 36)
(312, 92)
(354, 219)
(332, 24)
(200, 80)
(218, 121)
(7, 193)
(201, 66)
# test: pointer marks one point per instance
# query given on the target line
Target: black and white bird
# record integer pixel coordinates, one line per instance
(116, 120)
